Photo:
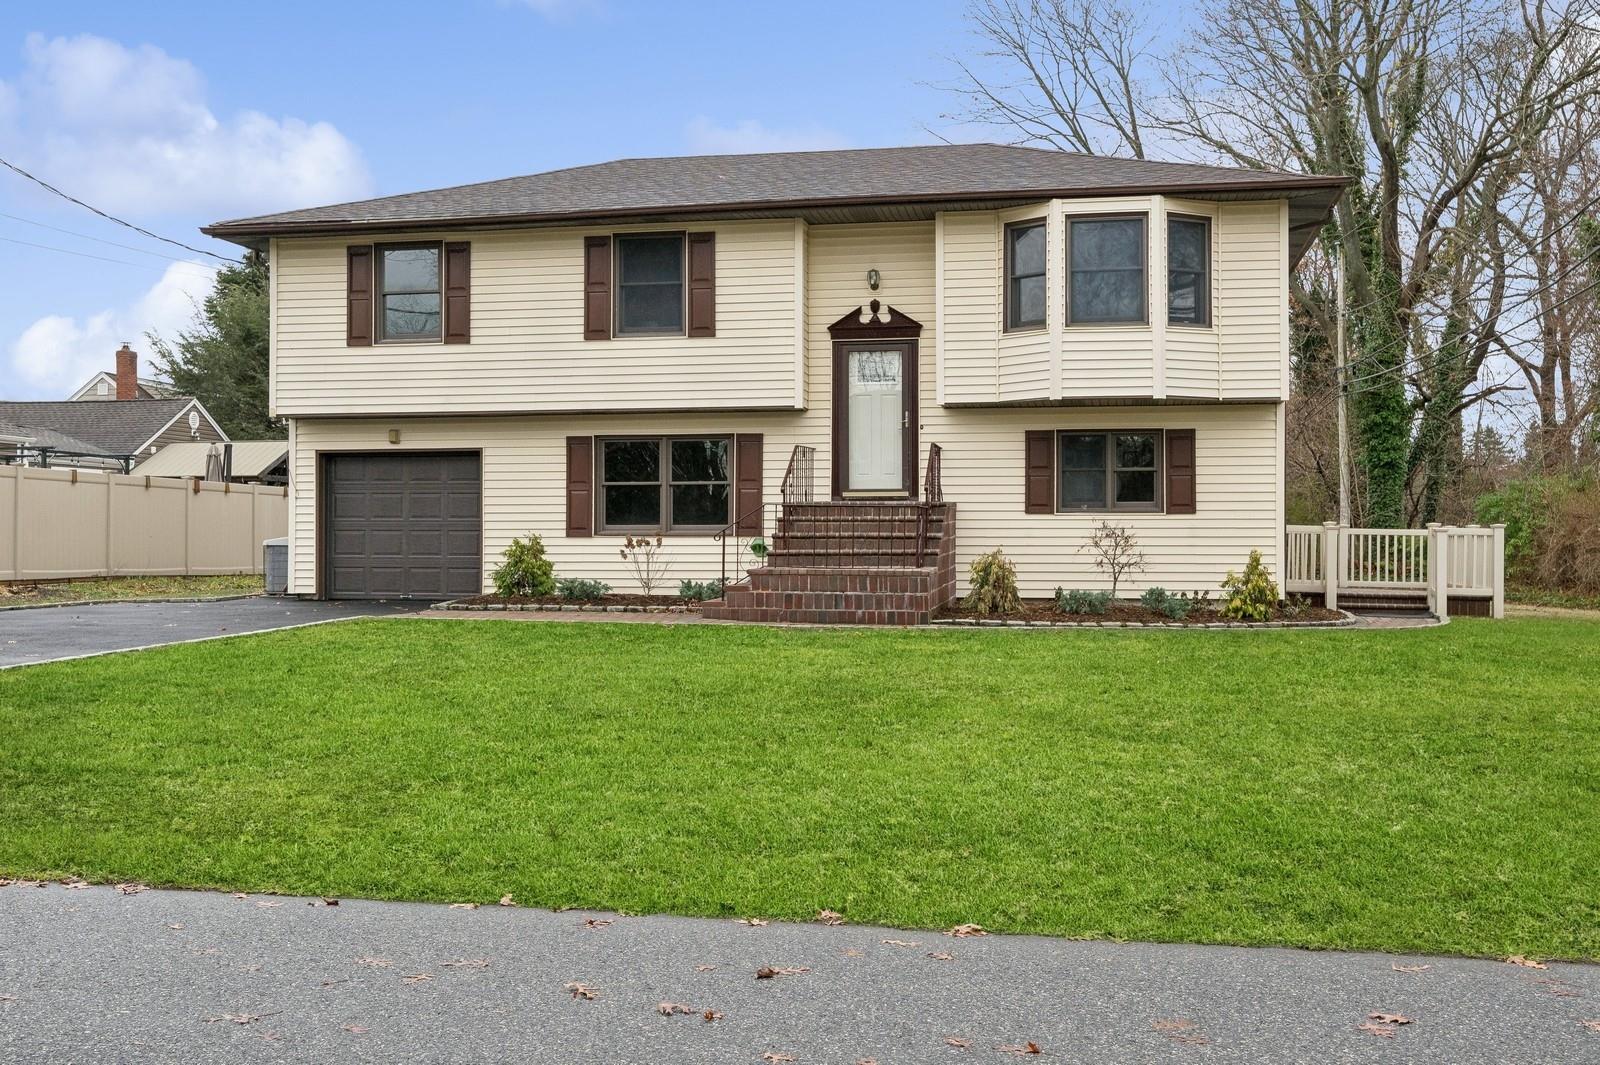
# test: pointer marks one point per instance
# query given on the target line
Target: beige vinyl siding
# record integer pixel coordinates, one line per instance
(1251, 266)
(1239, 454)
(527, 352)
(970, 282)
(1192, 354)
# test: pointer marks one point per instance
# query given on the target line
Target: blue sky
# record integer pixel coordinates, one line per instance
(177, 114)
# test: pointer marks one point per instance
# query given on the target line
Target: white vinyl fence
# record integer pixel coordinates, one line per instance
(1441, 562)
(57, 523)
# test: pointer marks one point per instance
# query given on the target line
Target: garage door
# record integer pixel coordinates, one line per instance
(403, 524)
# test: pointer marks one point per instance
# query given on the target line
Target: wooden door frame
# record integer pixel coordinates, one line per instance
(875, 327)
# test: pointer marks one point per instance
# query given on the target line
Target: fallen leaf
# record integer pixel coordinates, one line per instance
(957, 1042)
(463, 905)
(668, 1009)
(132, 888)
(268, 904)
(334, 983)
(754, 922)
(705, 968)
(1526, 963)
(962, 931)
(767, 972)
(1389, 1018)
(176, 926)
(1019, 1048)
(830, 917)
(249, 968)
(355, 1029)
(240, 895)
(72, 883)
(1409, 968)
(1382, 1031)
(416, 978)
(322, 902)
(467, 963)
(899, 943)
(13, 998)
(941, 955)
(374, 963)
(774, 1056)
(270, 1037)
(1176, 1024)
(238, 1018)
(1593, 1026)
(597, 922)
(852, 952)
(710, 1015)
(206, 950)
(1559, 988)
(581, 990)
(866, 1061)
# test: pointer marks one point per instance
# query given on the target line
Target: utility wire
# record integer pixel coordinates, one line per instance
(97, 240)
(111, 217)
(101, 258)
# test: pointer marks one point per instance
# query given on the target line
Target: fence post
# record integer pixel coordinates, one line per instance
(111, 524)
(1498, 572)
(1439, 569)
(1330, 568)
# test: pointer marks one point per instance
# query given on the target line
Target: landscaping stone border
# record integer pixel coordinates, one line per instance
(563, 608)
(1344, 622)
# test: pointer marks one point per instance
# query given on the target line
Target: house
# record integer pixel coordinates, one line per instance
(835, 351)
(103, 387)
(109, 435)
(237, 461)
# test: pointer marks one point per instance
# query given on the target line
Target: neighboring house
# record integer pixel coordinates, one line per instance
(238, 461)
(103, 386)
(651, 346)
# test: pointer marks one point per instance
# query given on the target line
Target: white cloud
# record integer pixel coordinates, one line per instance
(56, 354)
(130, 130)
(708, 137)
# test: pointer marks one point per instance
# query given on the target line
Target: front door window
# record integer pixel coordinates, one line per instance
(876, 397)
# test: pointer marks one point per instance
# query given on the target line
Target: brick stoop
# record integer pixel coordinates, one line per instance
(848, 563)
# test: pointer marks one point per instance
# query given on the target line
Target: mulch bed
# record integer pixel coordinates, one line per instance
(616, 603)
(1044, 612)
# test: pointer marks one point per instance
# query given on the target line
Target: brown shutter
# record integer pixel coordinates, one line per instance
(1180, 471)
(597, 288)
(702, 284)
(580, 486)
(358, 297)
(1039, 489)
(457, 292)
(747, 484)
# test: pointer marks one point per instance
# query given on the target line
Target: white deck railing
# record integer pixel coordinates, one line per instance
(1440, 561)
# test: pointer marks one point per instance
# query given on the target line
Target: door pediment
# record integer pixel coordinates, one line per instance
(875, 321)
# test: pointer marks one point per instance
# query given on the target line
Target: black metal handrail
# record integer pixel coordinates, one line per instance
(797, 487)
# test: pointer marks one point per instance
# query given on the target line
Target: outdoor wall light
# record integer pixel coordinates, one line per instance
(873, 277)
(394, 436)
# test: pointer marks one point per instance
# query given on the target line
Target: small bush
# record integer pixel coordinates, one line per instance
(994, 585)
(1251, 595)
(699, 591)
(525, 571)
(1294, 607)
(1078, 601)
(1162, 601)
(581, 588)
(647, 559)
(1155, 597)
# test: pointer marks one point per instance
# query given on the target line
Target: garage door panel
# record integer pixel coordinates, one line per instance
(403, 524)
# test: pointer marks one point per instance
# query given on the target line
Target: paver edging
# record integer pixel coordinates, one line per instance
(568, 608)
(1346, 621)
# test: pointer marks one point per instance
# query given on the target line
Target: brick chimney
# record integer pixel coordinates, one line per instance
(127, 372)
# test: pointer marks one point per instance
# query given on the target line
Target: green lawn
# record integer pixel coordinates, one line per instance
(1423, 790)
(132, 588)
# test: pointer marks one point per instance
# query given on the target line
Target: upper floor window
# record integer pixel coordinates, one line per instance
(1188, 271)
(1109, 471)
(1025, 256)
(650, 283)
(1106, 269)
(411, 296)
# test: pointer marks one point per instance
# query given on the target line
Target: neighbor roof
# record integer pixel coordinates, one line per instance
(119, 428)
(866, 184)
(251, 458)
(154, 388)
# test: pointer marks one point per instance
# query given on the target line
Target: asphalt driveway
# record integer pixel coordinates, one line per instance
(91, 974)
(48, 634)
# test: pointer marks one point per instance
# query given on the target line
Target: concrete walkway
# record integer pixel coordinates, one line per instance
(91, 974)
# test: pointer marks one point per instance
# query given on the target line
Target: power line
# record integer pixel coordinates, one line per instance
(111, 217)
(97, 240)
(101, 258)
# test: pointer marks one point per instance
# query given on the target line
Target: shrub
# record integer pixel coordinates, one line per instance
(1079, 601)
(581, 588)
(1552, 531)
(1155, 597)
(1251, 595)
(525, 571)
(699, 591)
(644, 555)
(994, 585)
(1116, 552)
(1162, 601)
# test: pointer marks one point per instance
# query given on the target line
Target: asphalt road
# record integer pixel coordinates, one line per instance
(159, 976)
(47, 634)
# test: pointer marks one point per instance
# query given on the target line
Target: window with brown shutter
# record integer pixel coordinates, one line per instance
(702, 284)
(1039, 482)
(747, 483)
(358, 296)
(457, 292)
(597, 288)
(1180, 471)
(580, 486)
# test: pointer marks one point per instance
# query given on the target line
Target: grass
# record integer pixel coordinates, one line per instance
(1422, 790)
(131, 588)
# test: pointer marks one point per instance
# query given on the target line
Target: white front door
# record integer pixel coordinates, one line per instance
(877, 419)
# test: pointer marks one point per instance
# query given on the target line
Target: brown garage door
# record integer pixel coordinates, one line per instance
(403, 525)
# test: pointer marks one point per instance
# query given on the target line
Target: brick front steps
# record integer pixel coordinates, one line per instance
(848, 563)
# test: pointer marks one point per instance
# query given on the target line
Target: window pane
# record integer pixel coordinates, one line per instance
(1136, 486)
(1027, 250)
(1110, 296)
(633, 504)
(410, 269)
(1186, 245)
(1136, 450)
(1183, 297)
(650, 308)
(650, 259)
(1027, 301)
(632, 460)
(1085, 489)
(699, 460)
(1107, 243)
(699, 504)
(414, 315)
(1083, 451)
